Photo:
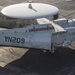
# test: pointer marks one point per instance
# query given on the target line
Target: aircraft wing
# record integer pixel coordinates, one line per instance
(57, 27)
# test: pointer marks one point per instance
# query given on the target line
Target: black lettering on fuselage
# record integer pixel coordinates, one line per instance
(18, 40)
(8, 39)
(14, 39)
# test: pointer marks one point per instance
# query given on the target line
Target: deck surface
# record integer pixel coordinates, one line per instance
(20, 61)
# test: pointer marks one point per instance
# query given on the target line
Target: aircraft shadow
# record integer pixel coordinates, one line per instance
(40, 63)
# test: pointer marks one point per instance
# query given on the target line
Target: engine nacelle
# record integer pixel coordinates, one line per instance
(71, 23)
(63, 22)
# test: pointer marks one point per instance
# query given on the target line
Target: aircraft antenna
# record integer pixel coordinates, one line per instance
(49, 11)
(30, 6)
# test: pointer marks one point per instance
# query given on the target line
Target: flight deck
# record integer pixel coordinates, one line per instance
(22, 61)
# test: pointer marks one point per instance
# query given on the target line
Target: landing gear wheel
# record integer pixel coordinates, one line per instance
(52, 50)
